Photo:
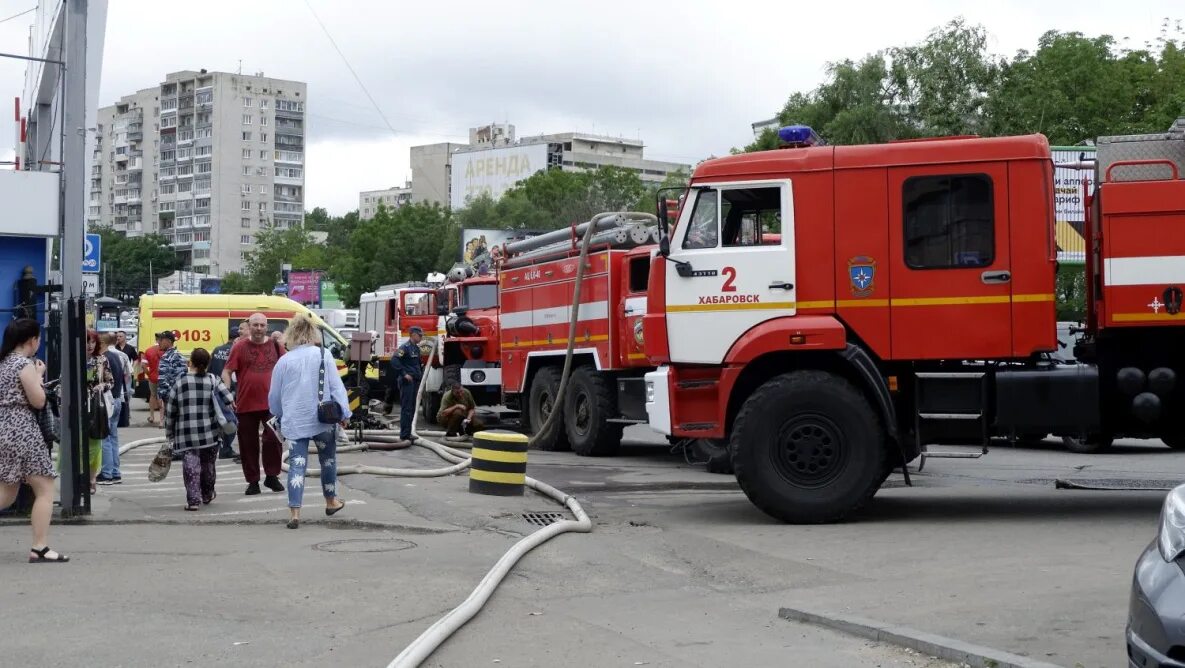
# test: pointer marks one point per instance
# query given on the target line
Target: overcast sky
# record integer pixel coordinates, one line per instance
(687, 77)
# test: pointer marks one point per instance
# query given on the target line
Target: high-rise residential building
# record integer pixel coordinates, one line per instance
(206, 159)
(369, 200)
(494, 160)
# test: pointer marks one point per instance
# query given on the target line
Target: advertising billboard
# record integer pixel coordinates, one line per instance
(476, 245)
(1068, 207)
(493, 171)
(304, 287)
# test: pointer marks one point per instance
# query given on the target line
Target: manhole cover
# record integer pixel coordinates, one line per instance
(542, 519)
(365, 545)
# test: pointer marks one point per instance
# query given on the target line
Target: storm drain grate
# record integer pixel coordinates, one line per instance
(542, 519)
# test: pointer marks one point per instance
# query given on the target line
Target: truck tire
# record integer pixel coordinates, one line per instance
(430, 406)
(1087, 446)
(808, 448)
(587, 409)
(541, 400)
(714, 453)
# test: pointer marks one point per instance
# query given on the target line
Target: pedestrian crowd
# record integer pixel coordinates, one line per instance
(263, 387)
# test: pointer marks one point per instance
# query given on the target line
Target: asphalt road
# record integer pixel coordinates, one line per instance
(680, 570)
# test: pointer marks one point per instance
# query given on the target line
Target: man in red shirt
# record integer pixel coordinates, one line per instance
(152, 370)
(251, 361)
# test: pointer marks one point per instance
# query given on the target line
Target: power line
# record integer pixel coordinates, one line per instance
(17, 16)
(351, 68)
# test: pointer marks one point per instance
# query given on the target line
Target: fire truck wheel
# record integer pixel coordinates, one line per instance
(808, 448)
(588, 407)
(431, 406)
(714, 453)
(1174, 441)
(1087, 446)
(541, 400)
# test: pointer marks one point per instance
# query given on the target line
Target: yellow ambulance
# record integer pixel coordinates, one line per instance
(208, 321)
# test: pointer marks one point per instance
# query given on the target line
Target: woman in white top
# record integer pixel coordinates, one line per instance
(299, 381)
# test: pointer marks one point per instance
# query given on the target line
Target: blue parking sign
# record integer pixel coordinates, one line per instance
(91, 254)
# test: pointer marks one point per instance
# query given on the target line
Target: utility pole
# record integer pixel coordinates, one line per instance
(73, 176)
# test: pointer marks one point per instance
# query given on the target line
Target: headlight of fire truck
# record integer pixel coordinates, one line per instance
(638, 338)
(650, 391)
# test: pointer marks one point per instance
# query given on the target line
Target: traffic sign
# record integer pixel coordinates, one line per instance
(90, 285)
(91, 255)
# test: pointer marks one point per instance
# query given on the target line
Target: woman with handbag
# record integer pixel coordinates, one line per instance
(308, 414)
(23, 455)
(99, 382)
(193, 424)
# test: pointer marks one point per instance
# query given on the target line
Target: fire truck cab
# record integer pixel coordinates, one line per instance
(832, 311)
(389, 313)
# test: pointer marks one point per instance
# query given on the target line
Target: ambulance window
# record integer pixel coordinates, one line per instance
(639, 273)
(752, 216)
(703, 231)
(948, 221)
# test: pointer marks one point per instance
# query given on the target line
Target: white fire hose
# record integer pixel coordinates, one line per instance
(434, 636)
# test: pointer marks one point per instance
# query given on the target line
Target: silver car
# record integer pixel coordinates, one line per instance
(1156, 614)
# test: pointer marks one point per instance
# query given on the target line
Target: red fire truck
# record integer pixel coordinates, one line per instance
(834, 311)
(468, 326)
(526, 332)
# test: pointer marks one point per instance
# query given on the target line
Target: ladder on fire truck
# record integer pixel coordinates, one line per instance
(946, 404)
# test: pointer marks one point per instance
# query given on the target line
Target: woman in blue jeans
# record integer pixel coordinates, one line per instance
(299, 381)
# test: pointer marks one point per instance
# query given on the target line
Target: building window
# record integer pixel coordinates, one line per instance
(167, 206)
(185, 135)
(246, 102)
(204, 167)
(168, 156)
(245, 239)
(202, 151)
(246, 119)
(263, 120)
(246, 154)
(246, 170)
(949, 221)
(263, 103)
(168, 188)
(261, 171)
(246, 136)
(246, 188)
(202, 203)
(185, 186)
(185, 170)
(245, 205)
(263, 136)
(262, 189)
(204, 133)
(185, 153)
(202, 236)
(263, 207)
(263, 155)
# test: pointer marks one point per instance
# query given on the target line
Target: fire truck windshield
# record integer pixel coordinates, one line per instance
(484, 295)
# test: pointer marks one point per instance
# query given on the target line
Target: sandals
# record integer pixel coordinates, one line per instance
(293, 524)
(212, 497)
(330, 512)
(43, 558)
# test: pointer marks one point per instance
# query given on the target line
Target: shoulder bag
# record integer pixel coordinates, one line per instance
(328, 412)
(97, 426)
(228, 424)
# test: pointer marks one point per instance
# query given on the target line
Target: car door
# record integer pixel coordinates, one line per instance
(951, 290)
(734, 268)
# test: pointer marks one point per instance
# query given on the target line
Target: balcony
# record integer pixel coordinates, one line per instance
(136, 164)
(121, 157)
(185, 103)
(120, 199)
(134, 199)
(281, 113)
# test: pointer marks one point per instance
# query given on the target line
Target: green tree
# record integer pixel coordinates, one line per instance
(133, 263)
(403, 244)
(273, 248)
(234, 283)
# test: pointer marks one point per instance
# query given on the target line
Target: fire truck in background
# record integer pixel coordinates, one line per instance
(468, 328)
(512, 331)
(832, 312)
(389, 313)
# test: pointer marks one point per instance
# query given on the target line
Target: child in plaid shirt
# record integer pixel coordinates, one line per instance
(193, 427)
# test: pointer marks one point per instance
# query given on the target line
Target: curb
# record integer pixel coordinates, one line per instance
(938, 646)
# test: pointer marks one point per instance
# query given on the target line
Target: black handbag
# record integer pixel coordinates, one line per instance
(328, 412)
(97, 426)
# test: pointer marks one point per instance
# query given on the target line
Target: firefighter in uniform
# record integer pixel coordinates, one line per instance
(406, 364)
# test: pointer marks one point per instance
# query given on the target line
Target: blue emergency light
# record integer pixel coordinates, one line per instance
(799, 135)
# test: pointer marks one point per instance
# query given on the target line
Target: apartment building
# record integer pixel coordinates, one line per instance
(206, 159)
(494, 160)
(369, 200)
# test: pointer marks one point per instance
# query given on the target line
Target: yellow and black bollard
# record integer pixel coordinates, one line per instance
(499, 465)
